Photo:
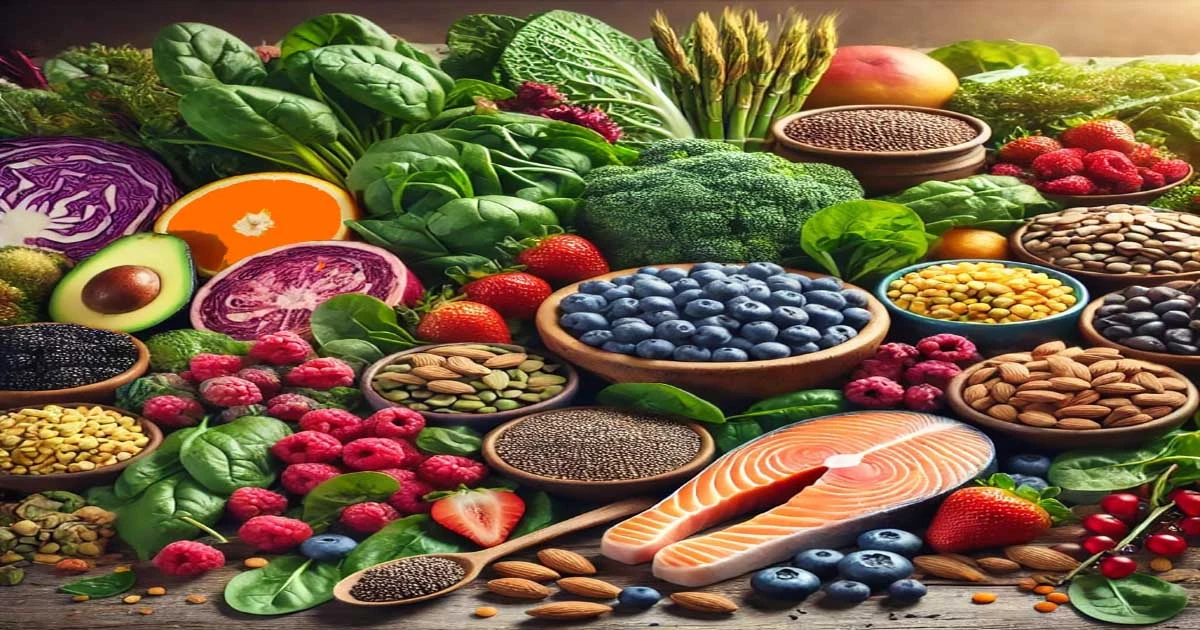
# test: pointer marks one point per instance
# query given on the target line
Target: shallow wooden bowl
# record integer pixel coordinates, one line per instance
(483, 420)
(882, 172)
(80, 480)
(103, 391)
(598, 491)
(1187, 363)
(1134, 198)
(716, 381)
(1063, 439)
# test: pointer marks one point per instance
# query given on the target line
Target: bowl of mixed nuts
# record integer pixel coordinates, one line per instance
(470, 383)
(1059, 397)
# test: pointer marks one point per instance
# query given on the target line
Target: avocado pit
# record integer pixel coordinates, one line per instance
(121, 289)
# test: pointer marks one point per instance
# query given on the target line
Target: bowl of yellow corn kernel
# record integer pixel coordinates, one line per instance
(65, 446)
(995, 303)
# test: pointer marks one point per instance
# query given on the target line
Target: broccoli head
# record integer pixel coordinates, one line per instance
(27, 276)
(689, 200)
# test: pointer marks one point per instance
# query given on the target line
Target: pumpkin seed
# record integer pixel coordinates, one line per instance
(487, 397)
(398, 395)
(532, 365)
(530, 398)
(486, 410)
(497, 379)
(511, 393)
(442, 400)
(504, 404)
(467, 405)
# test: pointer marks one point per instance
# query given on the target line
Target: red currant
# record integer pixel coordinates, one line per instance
(1122, 505)
(1166, 544)
(1117, 567)
(1188, 501)
(1105, 525)
(1096, 544)
(1190, 526)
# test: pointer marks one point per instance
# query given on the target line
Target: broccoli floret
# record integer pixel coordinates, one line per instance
(27, 277)
(171, 351)
(1184, 198)
(693, 200)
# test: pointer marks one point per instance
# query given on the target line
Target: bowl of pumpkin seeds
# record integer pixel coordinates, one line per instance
(470, 383)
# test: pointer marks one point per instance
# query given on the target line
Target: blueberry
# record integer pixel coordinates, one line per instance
(623, 280)
(875, 568)
(856, 317)
(783, 283)
(728, 322)
(583, 322)
(691, 353)
(703, 307)
(855, 298)
(596, 287)
(786, 298)
(822, 317)
(827, 283)
(649, 271)
(676, 331)
(728, 355)
(672, 274)
(832, 338)
(750, 311)
(906, 591)
(643, 276)
(759, 332)
(632, 332)
(658, 317)
(786, 583)
(596, 338)
(805, 281)
(741, 299)
(618, 347)
(731, 269)
(655, 303)
(655, 349)
(623, 307)
(638, 597)
(893, 540)
(683, 297)
(654, 286)
(787, 316)
(761, 271)
(805, 348)
(1027, 464)
(847, 592)
(832, 299)
(685, 284)
(582, 303)
(1037, 483)
(843, 329)
(706, 276)
(617, 293)
(796, 335)
(758, 292)
(711, 336)
(725, 289)
(621, 321)
(741, 277)
(770, 350)
(327, 547)
(706, 265)
(740, 343)
(820, 562)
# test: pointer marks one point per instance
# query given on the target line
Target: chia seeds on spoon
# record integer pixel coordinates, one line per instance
(880, 130)
(408, 578)
(597, 445)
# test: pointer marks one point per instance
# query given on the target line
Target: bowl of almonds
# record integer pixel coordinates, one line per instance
(1059, 397)
(470, 383)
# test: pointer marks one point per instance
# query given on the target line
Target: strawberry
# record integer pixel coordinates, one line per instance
(995, 513)
(1022, 150)
(512, 293)
(485, 516)
(562, 258)
(453, 321)
(1145, 155)
(1105, 133)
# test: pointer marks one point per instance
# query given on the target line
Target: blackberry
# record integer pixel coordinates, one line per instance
(60, 356)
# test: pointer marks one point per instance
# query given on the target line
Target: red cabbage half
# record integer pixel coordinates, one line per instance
(279, 288)
(76, 195)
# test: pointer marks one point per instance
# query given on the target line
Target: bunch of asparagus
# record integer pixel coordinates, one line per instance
(732, 82)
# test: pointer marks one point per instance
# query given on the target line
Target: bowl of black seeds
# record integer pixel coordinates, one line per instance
(598, 453)
(51, 363)
(887, 147)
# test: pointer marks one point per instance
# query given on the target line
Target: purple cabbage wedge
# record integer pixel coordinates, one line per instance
(76, 195)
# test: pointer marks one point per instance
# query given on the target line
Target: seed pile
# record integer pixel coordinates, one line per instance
(880, 130)
(597, 445)
(56, 439)
(984, 292)
(59, 356)
(1118, 239)
(408, 578)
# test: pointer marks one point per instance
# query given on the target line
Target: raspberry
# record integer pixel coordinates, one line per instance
(1107, 165)
(307, 447)
(188, 376)
(947, 347)
(412, 457)
(1144, 155)
(241, 411)
(878, 367)
(291, 407)
(302, 478)
(900, 354)
(409, 499)
(374, 454)
(1129, 182)
(923, 397)
(1070, 185)
(204, 366)
(246, 503)
(263, 376)
(1151, 179)
(1011, 170)
(281, 348)
(339, 423)
(445, 472)
(1172, 170)
(185, 558)
(229, 391)
(275, 534)
(875, 392)
(173, 411)
(398, 423)
(322, 374)
(1056, 164)
(936, 373)
(368, 517)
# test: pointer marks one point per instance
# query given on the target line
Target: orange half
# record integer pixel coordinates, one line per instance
(236, 217)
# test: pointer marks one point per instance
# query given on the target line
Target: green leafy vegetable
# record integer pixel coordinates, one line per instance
(465, 92)
(985, 202)
(409, 536)
(449, 441)
(105, 497)
(1119, 469)
(233, 455)
(334, 28)
(734, 433)
(358, 353)
(539, 514)
(974, 56)
(156, 466)
(864, 239)
(660, 398)
(360, 317)
(289, 584)
(159, 515)
(780, 411)
(323, 504)
(101, 586)
(475, 43)
(1139, 599)
(188, 56)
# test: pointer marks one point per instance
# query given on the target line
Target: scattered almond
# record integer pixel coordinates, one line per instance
(195, 598)
(704, 602)
(449, 387)
(948, 568)
(564, 561)
(1040, 558)
(1026, 584)
(589, 587)
(156, 591)
(131, 599)
(518, 588)
(527, 570)
(569, 611)
(424, 359)
(145, 611)
(467, 367)
(998, 565)
(1043, 589)
(983, 598)
(1058, 598)
(435, 373)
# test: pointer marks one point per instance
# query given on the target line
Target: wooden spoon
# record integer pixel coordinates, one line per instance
(473, 563)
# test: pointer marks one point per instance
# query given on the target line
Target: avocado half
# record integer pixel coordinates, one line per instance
(132, 284)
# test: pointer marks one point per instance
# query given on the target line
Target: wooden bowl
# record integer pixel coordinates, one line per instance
(79, 480)
(599, 491)
(102, 391)
(1063, 439)
(1186, 363)
(716, 381)
(1134, 198)
(483, 420)
(882, 172)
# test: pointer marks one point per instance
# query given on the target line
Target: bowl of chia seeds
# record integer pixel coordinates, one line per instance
(598, 453)
(887, 147)
(54, 363)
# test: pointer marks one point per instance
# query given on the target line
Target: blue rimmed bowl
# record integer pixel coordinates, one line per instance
(1063, 325)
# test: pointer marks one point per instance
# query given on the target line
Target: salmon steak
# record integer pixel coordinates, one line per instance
(821, 483)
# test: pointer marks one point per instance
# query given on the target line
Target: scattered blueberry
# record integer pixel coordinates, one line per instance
(847, 591)
(711, 336)
(623, 307)
(722, 355)
(893, 540)
(632, 332)
(582, 303)
(820, 562)
(703, 308)
(583, 322)
(856, 317)
(618, 347)
(658, 317)
(596, 338)
(1027, 464)
(906, 591)
(798, 335)
(875, 568)
(1037, 483)
(691, 353)
(760, 332)
(327, 547)
(675, 330)
(638, 597)
(770, 350)
(785, 583)
(596, 287)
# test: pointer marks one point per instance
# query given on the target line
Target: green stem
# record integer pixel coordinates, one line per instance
(204, 528)
(766, 113)
(332, 158)
(341, 150)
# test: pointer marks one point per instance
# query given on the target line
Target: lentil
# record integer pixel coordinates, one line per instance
(1117, 239)
(983, 598)
(255, 562)
(485, 612)
(1045, 607)
(56, 439)
(408, 578)
(156, 591)
(195, 599)
(1044, 589)
(597, 444)
(880, 130)
(60, 356)
(981, 292)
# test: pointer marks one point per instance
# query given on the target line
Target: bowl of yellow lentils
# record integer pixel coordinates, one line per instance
(65, 446)
(995, 303)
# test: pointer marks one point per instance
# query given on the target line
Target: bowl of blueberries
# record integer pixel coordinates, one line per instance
(727, 331)
(1160, 324)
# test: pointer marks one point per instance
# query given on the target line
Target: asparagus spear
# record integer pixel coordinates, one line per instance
(762, 70)
(712, 76)
(739, 91)
(793, 58)
(822, 45)
(686, 80)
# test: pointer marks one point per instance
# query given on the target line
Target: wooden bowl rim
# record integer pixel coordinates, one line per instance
(984, 133)
(1094, 337)
(959, 405)
(569, 388)
(703, 457)
(1073, 201)
(140, 365)
(547, 326)
(152, 430)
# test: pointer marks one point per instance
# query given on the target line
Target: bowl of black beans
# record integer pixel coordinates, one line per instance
(1159, 324)
(53, 363)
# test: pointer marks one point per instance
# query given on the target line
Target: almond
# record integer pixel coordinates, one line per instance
(1001, 392)
(398, 377)
(1012, 357)
(1064, 533)
(449, 387)
(1042, 396)
(1037, 419)
(1149, 381)
(1048, 348)
(1131, 366)
(1158, 412)
(1040, 558)
(1038, 365)
(1007, 413)
(1101, 367)
(1082, 398)
(1069, 384)
(466, 367)
(1040, 376)
(1079, 370)
(564, 561)
(1084, 411)
(518, 588)
(965, 559)
(1077, 424)
(589, 587)
(505, 361)
(1120, 413)
(435, 373)
(1106, 379)
(1013, 373)
(1060, 365)
(948, 568)
(425, 359)
(1169, 399)
(981, 375)
(998, 565)
(1034, 384)
(1173, 384)
(975, 392)
(704, 602)
(1131, 421)
(569, 611)
(1113, 403)
(981, 404)
(527, 570)
(478, 354)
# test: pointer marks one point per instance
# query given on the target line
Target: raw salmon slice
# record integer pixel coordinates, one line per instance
(821, 482)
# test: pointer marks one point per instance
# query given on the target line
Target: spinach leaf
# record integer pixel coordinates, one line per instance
(409, 536)
(1119, 469)
(289, 584)
(362, 318)
(101, 586)
(156, 517)
(1139, 599)
(334, 28)
(105, 497)
(859, 239)
(383, 81)
(465, 92)
(159, 465)
(323, 504)
(356, 352)
(780, 411)
(188, 56)
(539, 514)
(660, 398)
(734, 433)
(974, 56)
(449, 441)
(475, 43)
(986, 202)
(222, 463)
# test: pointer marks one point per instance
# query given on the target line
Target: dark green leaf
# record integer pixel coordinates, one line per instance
(323, 504)
(102, 585)
(189, 56)
(734, 433)
(974, 56)
(152, 520)
(449, 441)
(779, 411)
(989, 202)
(539, 514)
(363, 353)
(334, 28)
(409, 536)
(105, 497)
(289, 584)
(156, 466)
(475, 43)
(467, 90)
(1139, 599)
(381, 80)
(859, 239)
(660, 398)
(1120, 469)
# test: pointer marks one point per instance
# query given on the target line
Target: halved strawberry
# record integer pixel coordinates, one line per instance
(483, 516)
